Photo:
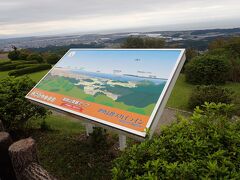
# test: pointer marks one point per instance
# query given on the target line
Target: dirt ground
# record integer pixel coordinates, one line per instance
(3, 56)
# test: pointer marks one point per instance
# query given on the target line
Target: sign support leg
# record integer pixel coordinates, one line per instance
(122, 142)
(89, 128)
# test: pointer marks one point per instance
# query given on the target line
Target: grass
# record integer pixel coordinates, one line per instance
(66, 153)
(64, 124)
(180, 94)
(234, 87)
(34, 76)
(3, 74)
(37, 75)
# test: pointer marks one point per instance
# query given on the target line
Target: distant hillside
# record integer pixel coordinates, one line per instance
(227, 31)
(197, 39)
(63, 49)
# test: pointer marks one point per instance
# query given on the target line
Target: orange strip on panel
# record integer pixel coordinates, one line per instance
(123, 118)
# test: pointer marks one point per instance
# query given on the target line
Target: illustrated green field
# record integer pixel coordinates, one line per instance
(65, 86)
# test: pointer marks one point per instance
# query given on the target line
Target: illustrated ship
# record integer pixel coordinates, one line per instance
(152, 76)
(116, 71)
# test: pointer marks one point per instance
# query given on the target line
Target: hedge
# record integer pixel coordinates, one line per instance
(14, 64)
(24, 66)
(26, 62)
(7, 67)
(3, 62)
(28, 70)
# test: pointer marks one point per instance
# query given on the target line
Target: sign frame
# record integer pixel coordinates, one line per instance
(156, 112)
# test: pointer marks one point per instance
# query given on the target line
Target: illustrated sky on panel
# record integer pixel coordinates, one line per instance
(117, 87)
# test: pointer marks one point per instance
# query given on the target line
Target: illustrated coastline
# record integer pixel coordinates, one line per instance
(150, 77)
(117, 77)
(128, 92)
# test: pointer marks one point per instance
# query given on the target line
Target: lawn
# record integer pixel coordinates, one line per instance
(180, 94)
(35, 76)
(3, 74)
(67, 153)
(38, 75)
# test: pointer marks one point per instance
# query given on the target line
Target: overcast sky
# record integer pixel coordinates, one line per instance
(42, 17)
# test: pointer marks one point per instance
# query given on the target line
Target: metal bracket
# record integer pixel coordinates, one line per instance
(122, 142)
(89, 128)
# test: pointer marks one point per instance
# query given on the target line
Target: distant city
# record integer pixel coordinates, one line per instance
(114, 39)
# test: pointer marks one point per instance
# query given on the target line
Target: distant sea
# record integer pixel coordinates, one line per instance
(123, 78)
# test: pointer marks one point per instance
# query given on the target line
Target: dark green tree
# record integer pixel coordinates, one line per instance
(23, 54)
(14, 54)
(36, 57)
(208, 69)
(52, 58)
(217, 43)
(140, 42)
(190, 54)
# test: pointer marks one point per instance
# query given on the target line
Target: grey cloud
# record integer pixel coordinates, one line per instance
(21, 11)
(34, 13)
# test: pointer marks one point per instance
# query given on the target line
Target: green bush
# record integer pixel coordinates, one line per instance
(28, 70)
(211, 93)
(208, 69)
(13, 64)
(35, 56)
(15, 109)
(24, 65)
(7, 67)
(205, 146)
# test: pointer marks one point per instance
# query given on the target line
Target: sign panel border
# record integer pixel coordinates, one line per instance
(158, 108)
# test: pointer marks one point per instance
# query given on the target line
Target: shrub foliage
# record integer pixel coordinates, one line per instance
(15, 110)
(208, 69)
(206, 146)
(13, 64)
(29, 69)
(211, 93)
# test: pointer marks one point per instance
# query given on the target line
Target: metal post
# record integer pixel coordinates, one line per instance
(89, 128)
(122, 142)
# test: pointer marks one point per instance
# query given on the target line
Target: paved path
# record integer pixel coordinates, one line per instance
(170, 115)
